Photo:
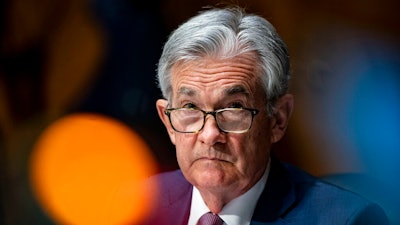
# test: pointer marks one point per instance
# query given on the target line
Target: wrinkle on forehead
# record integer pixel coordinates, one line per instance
(234, 76)
(211, 65)
(207, 68)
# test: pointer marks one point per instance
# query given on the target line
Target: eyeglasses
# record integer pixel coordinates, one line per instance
(192, 120)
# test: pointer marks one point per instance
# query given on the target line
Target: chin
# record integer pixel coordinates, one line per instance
(212, 177)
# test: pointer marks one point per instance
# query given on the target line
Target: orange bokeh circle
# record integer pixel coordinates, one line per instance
(90, 169)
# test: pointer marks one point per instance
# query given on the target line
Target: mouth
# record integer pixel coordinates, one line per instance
(213, 156)
(212, 159)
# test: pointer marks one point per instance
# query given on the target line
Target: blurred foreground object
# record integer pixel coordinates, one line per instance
(88, 169)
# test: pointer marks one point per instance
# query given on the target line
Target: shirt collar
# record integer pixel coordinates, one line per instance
(233, 213)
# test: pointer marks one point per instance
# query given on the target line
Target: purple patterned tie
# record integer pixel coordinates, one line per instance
(210, 219)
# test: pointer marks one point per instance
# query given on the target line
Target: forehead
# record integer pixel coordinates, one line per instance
(226, 76)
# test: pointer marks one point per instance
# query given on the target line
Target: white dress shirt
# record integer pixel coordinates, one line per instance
(238, 211)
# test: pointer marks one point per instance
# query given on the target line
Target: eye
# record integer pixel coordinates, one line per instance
(235, 105)
(189, 106)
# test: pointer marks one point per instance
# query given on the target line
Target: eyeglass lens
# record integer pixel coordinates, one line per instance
(228, 120)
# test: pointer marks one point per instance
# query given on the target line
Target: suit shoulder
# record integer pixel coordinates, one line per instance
(169, 173)
(171, 184)
(326, 200)
(170, 177)
(307, 185)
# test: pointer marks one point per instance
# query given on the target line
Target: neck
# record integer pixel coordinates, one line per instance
(215, 201)
(217, 198)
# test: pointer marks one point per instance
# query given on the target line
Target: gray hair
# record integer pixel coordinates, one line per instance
(227, 33)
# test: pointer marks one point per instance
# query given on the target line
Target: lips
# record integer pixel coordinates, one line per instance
(212, 155)
(212, 159)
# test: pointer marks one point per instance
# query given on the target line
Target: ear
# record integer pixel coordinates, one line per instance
(161, 106)
(282, 112)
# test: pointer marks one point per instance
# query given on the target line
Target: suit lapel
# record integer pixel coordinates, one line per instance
(173, 202)
(277, 197)
(179, 198)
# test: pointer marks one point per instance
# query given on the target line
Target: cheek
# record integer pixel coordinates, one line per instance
(254, 156)
(254, 148)
(257, 147)
(184, 146)
(262, 143)
(262, 131)
(245, 151)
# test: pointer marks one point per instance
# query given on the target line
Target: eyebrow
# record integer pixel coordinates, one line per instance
(234, 90)
(187, 91)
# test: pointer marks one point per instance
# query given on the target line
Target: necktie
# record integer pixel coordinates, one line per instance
(210, 219)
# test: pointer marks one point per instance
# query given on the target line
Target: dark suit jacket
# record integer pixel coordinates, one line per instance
(290, 197)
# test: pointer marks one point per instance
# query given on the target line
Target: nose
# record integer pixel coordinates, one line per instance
(211, 134)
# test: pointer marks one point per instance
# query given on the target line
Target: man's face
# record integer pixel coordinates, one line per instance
(213, 160)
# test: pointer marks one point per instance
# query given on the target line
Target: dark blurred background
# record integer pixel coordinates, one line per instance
(60, 57)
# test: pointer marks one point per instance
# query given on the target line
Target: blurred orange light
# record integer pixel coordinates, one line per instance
(89, 169)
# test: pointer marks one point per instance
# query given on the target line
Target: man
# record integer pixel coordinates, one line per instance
(224, 75)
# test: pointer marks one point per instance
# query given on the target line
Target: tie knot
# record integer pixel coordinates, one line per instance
(210, 219)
